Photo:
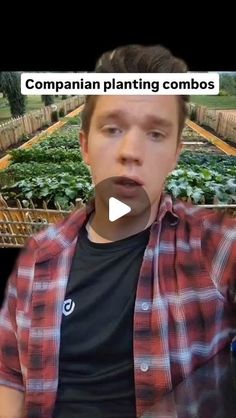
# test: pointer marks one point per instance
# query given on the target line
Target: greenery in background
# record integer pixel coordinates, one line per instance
(67, 139)
(42, 155)
(61, 112)
(61, 189)
(202, 185)
(54, 171)
(215, 102)
(32, 103)
(11, 87)
(228, 83)
(203, 178)
(214, 161)
(47, 99)
(226, 99)
(54, 116)
(74, 121)
(19, 171)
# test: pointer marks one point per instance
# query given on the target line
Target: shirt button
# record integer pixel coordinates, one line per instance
(149, 252)
(144, 367)
(174, 223)
(145, 306)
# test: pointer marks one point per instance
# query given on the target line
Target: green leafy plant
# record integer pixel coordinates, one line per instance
(63, 189)
(45, 155)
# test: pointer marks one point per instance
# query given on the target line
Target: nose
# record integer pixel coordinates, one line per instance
(131, 149)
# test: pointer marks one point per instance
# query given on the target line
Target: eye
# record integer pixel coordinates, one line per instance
(156, 136)
(111, 130)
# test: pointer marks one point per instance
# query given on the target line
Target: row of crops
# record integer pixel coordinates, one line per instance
(53, 171)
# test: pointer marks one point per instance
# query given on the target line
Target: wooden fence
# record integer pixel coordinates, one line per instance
(17, 224)
(223, 123)
(13, 131)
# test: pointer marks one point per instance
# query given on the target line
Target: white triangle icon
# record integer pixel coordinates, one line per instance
(117, 209)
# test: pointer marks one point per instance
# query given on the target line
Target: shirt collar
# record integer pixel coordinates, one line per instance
(166, 208)
(58, 237)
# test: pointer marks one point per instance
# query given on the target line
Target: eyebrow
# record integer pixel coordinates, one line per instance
(118, 115)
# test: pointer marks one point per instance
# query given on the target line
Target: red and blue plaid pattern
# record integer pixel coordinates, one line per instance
(184, 310)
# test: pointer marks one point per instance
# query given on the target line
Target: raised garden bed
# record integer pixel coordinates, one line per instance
(53, 171)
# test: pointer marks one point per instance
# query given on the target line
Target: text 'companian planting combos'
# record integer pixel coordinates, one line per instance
(116, 83)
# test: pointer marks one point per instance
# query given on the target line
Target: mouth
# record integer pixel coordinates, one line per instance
(128, 187)
(128, 181)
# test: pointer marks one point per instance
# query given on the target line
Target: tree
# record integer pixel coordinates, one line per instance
(47, 99)
(228, 83)
(11, 88)
(1, 90)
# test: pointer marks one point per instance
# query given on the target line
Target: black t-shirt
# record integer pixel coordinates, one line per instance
(96, 371)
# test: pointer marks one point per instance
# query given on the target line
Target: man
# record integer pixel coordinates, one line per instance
(103, 318)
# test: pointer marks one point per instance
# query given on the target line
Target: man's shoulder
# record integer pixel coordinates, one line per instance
(204, 215)
(56, 236)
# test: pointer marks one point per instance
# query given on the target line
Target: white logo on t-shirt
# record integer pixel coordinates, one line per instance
(68, 307)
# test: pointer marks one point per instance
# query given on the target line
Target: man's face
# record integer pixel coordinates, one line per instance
(133, 136)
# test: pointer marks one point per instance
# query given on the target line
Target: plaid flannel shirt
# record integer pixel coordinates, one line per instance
(184, 310)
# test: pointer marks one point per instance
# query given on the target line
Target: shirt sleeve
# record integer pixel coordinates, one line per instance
(10, 369)
(219, 253)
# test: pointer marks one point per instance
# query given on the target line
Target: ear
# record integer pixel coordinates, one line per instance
(178, 151)
(177, 155)
(83, 139)
(176, 159)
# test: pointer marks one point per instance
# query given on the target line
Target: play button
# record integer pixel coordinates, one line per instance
(119, 204)
(117, 209)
